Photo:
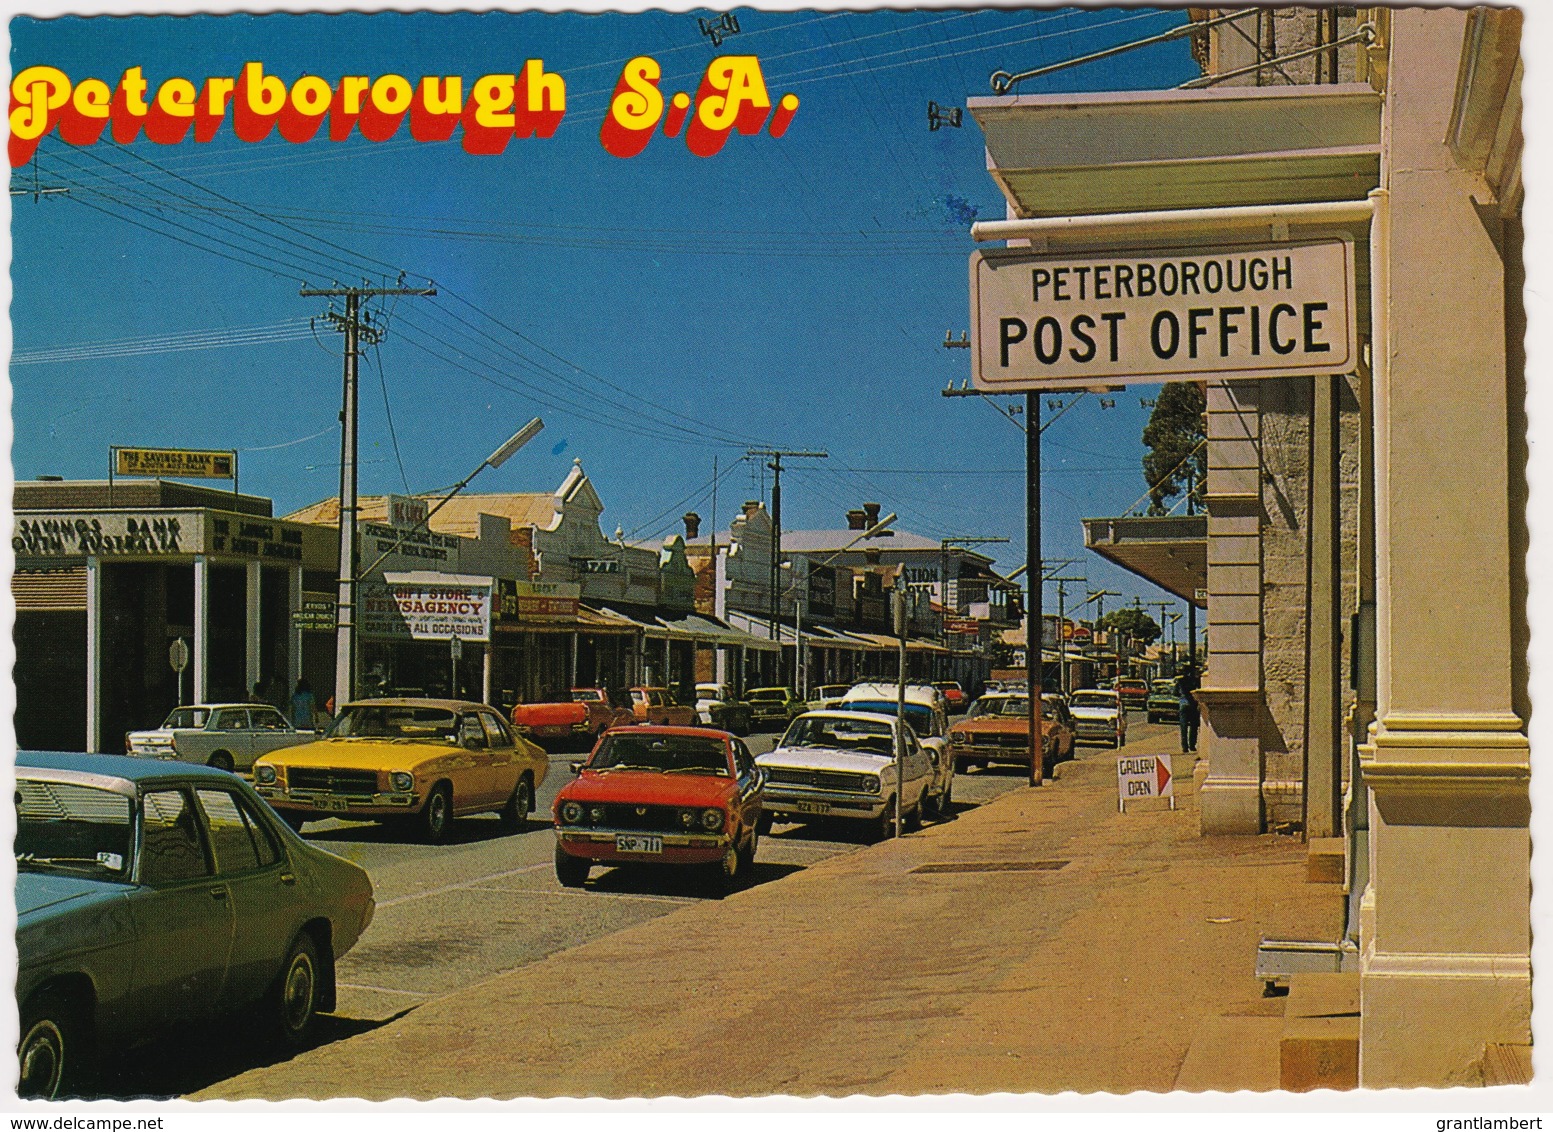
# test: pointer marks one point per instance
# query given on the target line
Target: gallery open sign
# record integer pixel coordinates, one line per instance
(1048, 320)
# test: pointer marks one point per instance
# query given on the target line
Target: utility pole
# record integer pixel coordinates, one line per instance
(355, 330)
(1062, 623)
(775, 615)
(1035, 634)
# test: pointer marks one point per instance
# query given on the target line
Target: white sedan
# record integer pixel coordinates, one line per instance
(225, 736)
(841, 764)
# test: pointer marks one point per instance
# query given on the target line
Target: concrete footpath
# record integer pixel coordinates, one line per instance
(1041, 943)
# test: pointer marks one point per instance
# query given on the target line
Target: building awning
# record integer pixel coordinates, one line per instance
(1130, 151)
(759, 632)
(706, 630)
(1169, 550)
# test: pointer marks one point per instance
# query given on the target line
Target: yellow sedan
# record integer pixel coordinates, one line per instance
(422, 762)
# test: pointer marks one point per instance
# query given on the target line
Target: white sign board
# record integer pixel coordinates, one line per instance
(1144, 776)
(427, 607)
(1046, 320)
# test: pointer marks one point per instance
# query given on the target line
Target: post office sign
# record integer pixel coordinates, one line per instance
(1048, 320)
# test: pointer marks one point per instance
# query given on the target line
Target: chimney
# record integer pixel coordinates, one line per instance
(871, 555)
(750, 507)
(857, 520)
(871, 510)
(692, 525)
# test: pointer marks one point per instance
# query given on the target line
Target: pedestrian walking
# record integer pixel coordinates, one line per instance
(1186, 707)
(302, 706)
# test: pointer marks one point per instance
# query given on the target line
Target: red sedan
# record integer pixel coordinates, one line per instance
(661, 795)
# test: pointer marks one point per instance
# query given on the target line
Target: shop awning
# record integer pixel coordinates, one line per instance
(706, 630)
(1169, 550)
(758, 632)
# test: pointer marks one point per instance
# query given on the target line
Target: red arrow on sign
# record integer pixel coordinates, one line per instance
(1162, 770)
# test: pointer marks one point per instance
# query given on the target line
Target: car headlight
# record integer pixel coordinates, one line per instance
(571, 812)
(959, 738)
(596, 815)
(712, 820)
(871, 783)
(264, 775)
(687, 818)
(402, 781)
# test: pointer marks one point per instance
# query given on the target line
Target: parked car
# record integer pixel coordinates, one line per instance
(661, 795)
(418, 761)
(826, 696)
(1134, 691)
(997, 730)
(926, 712)
(581, 719)
(658, 706)
(1098, 715)
(225, 736)
(772, 709)
(954, 695)
(151, 894)
(1164, 704)
(717, 706)
(841, 764)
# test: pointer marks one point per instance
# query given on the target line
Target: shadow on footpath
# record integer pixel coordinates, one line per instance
(194, 1057)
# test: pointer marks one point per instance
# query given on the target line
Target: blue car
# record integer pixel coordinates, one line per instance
(151, 894)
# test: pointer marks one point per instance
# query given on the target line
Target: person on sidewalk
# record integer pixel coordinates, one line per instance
(1186, 707)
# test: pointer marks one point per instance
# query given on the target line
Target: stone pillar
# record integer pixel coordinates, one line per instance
(1445, 950)
(201, 627)
(93, 655)
(1231, 692)
(253, 591)
(293, 628)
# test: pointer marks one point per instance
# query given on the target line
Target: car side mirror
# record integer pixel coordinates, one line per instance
(932, 756)
(576, 768)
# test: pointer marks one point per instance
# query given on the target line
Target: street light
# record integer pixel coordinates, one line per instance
(800, 668)
(345, 678)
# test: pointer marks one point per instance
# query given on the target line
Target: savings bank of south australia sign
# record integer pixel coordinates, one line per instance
(1056, 320)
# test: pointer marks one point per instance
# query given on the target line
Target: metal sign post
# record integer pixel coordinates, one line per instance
(178, 659)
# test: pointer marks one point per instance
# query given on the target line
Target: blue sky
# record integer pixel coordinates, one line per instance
(657, 311)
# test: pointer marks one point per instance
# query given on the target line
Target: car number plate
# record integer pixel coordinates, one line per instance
(334, 805)
(812, 807)
(636, 843)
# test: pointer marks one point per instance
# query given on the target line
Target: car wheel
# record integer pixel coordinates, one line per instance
(51, 1053)
(750, 846)
(514, 815)
(913, 820)
(437, 814)
(723, 876)
(884, 825)
(571, 871)
(294, 997)
(221, 761)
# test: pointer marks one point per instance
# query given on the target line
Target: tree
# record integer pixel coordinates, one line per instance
(1137, 625)
(1177, 460)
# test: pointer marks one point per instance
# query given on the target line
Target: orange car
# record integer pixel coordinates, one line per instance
(658, 706)
(997, 730)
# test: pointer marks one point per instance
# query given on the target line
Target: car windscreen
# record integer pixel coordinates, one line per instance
(866, 736)
(586, 695)
(918, 715)
(68, 828)
(999, 705)
(1094, 700)
(768, 694)
(381, 721)
(187, 717)
(667, 753)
